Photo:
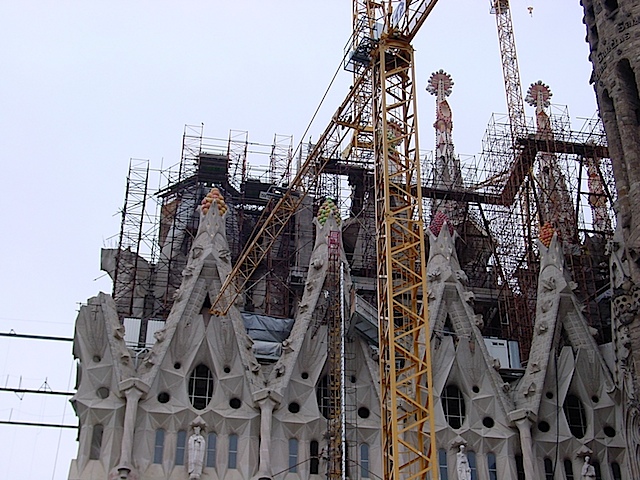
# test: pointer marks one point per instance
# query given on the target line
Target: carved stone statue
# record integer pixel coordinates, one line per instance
(462, 465)
(197, 447)
(588, 470)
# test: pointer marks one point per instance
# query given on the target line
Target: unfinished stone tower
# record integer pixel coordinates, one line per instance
(613, 33)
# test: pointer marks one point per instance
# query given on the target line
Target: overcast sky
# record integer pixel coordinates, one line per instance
(85, 86)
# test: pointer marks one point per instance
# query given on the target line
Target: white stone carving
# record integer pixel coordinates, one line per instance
(462, 465)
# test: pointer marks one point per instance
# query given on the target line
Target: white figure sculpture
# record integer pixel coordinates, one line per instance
(462, 465)
(196, 453)
(588, 470)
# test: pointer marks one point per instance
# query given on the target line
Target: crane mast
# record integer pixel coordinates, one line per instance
(408, 428)
(510, 70)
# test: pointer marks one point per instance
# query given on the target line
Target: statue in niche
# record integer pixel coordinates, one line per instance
(462, 465)
(588, 470)
(196, 449)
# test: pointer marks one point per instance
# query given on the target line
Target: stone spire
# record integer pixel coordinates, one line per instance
(556, 205)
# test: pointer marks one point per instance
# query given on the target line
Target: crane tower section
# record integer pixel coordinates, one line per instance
(408, 428)
(510, 71)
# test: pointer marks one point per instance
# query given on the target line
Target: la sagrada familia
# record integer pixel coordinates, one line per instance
(248, 395)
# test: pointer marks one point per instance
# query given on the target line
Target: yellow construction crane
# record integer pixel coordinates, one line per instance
(510, 70)
(380, 111)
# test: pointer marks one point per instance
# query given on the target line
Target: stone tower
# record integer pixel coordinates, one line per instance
(613, 34)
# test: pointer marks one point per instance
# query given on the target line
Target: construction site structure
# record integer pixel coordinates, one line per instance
(313, 357)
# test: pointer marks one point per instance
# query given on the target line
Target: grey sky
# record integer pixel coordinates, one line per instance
(85, 86)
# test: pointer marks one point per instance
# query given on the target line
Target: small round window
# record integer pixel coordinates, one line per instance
(200, 386)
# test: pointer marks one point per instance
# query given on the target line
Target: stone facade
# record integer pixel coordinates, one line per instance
(613, 34)
(266, 418)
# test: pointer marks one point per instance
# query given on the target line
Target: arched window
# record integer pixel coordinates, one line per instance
(453, 405)
(596, 467)
(96, 442)
(233, 451)
(615, 471)
(442, 464)
(548, 469)
(200, 386)
(629, 86)
(568, 469)
(473, 465)
(181, 442)
(364, 461)
(576, 418)
(492, 466)
(211, 450)
(314, 466)
(293, 455)
(158, 448)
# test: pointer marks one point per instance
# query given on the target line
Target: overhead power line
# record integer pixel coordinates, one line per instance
(36, 424)
(35, 337)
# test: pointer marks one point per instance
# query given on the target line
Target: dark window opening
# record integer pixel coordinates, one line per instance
(492, 466)
(233, 451)
(211, 450)
(200, 386)
(96, 442)
(629, 87)
(364, 461)
(616, 473)
(548, 469)
(488, 422)
(520, 467)
(568, 469)
(363, 412)
(158, 448)
(442, 464)
(206, 305)
(293, 455)
(596, 467)
(611, 5)
(314, 463)
(323, 396)
(576, 418)
(180, 447)
(102, 392)
(453, 405)
(473, 465)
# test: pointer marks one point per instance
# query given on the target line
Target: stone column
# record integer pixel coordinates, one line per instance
(266, 415)
(133, 391)
(522, 420)
(267, 401)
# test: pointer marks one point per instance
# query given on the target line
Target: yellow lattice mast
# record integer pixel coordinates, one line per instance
(405, 362)
(510, 70)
